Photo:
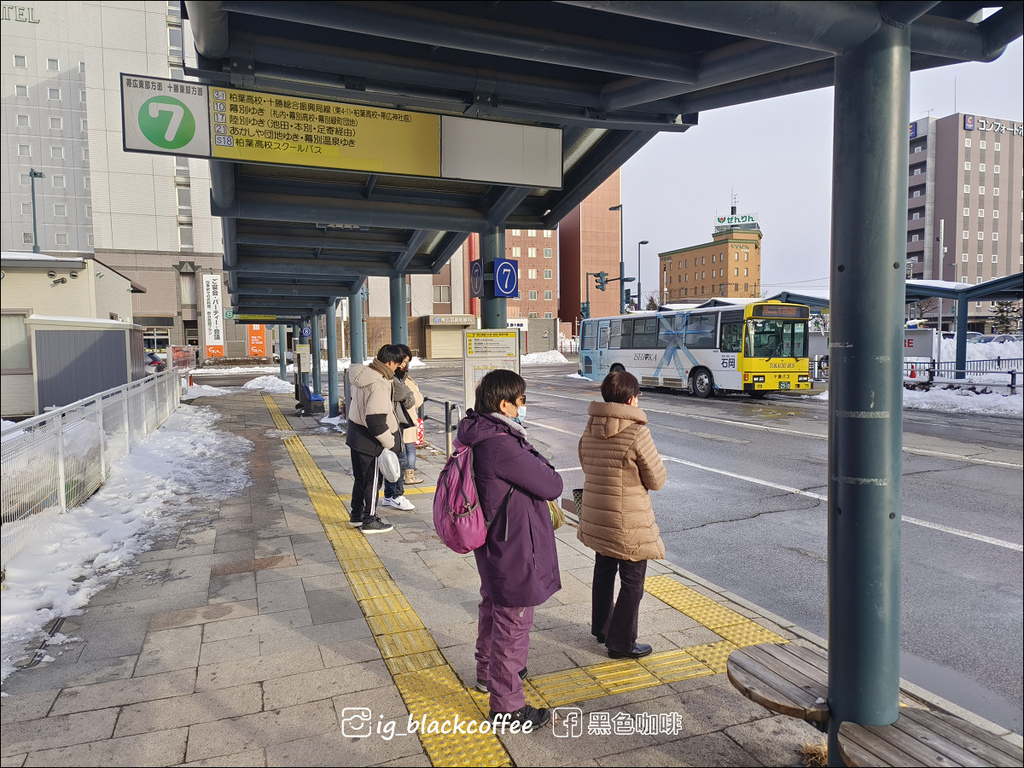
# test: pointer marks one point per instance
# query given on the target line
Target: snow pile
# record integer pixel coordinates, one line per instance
(204, 390)
(74, 555)
(270, 384)
(955, 400)
(552, 357)
(989, 350)
(579, 376)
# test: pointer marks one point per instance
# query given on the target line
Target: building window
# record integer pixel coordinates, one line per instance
(736, 272)
(81, 96)
(532, 274)
(995, 169)
(547, 253)
(967, 165)
(746, 272)
(967, 189)
(981, 191)
(56, 123)
(547, 295)
(967, 235)
(57, 153)
(53, 65)
(60, 209)
(967, 211)
(81, 67)
(995, 214)
(60, 238)
(548, 315)
(24, 151)
(90, 239)
(19, 61)
(184, 201)
(174, 42)
(531, 233)
(85, 154)
(995, 191)
(547, 233)
(57, 181)
(531, 252)
(442, 294)
(981, 167)
(53, 94)
(15, 354)
(981, 235)
(967, 142)
(533, 295)
(914, 238)
(963, 257)
(981, 257)
(185, 237)
(548, 274)
(995, 235)
(23, 121)
(995, 258)
(84, 125)
(916, 215)
(997, 146)
(26, 209)
(981, 213)
(515, 232)
(516, 251)
(21, 91)
(981, 144)
(86, 183)
(88, 211)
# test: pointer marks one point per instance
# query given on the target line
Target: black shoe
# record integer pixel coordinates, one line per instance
(481, 684)
(376, 525)
(538, 717)
(639, 651)
(355, 521)
(601, 639)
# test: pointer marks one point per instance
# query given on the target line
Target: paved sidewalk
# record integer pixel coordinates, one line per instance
(269, 632)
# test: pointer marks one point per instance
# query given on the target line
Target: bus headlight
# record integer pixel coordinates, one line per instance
(803, 377)
(759, 379)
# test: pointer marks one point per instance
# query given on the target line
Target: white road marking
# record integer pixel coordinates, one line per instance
(821, 497)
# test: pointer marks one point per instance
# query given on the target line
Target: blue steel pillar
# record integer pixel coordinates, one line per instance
(399, 313)
(962, 306)
(282, 344)
(869, 231)
(332, 359)
(304, 340)
(355, 328)
(493, 312)
(315, 349)
(296, 339)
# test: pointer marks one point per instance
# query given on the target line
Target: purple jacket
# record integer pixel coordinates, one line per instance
(518, 563)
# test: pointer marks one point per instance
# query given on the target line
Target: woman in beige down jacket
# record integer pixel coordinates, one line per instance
(621, 465)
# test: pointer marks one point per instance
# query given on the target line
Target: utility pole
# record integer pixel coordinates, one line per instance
(622, 264)
(639, 292)
(33, 174)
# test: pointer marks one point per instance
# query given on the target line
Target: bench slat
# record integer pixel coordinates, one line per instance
(771, 689)
(812, 687)
(912, 745)
(882, 752)
(803, 661)
(956, 754)
(989, 747)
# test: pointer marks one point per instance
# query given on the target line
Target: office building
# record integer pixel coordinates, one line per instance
(727, 267)
(964, 197)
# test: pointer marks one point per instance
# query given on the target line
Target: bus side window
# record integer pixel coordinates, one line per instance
(666, 335)
(590, 335)
(645, 333)
(627, 334)
(700, 331)
(732, 337)
(615, 339)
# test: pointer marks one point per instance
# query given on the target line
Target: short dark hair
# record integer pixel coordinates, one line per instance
(619, 387)
(497, 386)
(390, 353)
(406, 352)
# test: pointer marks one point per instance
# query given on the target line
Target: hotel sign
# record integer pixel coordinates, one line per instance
(972, 123)
(743, 220)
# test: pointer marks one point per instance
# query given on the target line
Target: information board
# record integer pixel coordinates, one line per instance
(213, 317)
(484, 351)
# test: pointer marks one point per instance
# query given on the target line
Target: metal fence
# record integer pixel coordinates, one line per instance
(55, 461)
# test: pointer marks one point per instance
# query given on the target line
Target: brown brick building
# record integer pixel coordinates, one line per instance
(728, 266)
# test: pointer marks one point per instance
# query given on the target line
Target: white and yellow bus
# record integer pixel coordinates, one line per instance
(723, 345)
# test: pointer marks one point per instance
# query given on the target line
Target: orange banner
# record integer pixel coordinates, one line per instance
(214, 350)
(257, 340)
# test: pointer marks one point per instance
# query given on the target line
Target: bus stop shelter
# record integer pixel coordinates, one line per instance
(606, 76)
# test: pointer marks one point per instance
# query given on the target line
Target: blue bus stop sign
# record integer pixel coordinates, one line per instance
(476, 279)
(506, 278)
(306, 331)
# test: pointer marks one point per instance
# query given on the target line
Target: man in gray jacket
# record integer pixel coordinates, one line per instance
(372, 429)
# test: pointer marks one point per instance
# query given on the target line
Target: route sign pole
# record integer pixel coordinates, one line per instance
(493, 312)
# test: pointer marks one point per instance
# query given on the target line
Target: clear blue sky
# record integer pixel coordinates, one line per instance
(776, 156)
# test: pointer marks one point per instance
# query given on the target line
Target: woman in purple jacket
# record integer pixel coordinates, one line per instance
(518, 563)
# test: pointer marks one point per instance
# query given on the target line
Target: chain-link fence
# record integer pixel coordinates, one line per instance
(57, 460)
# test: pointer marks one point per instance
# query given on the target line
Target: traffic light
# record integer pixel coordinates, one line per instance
(628, 298)
(585, 309)
(602, 280)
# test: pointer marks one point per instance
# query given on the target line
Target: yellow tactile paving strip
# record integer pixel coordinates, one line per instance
(430, 687)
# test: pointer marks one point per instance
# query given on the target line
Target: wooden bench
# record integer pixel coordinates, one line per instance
(792, 680)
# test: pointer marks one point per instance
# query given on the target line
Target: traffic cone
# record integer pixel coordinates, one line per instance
(913, 371)
(190, 380)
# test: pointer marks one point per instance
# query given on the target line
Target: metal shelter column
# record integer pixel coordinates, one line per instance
(399, 313)
(314, 347)
(282, 342)
(962, 308)
(869, 190)
(355, 328)
(332, 358)
(493, 312)
(295, 360)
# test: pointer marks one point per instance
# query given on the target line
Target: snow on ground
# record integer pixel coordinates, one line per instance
(204, 390)
(956, 400)
(74, 555)
(270, 384)
(551, 357)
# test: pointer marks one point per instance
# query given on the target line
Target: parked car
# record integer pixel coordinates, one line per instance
(999, 338)
(155, 363)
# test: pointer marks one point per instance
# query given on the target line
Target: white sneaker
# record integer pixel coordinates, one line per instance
(399, 502)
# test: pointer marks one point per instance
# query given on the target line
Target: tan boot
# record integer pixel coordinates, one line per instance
(411, 479)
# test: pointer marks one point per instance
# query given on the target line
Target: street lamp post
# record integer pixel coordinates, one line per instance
(33, 174)
(622, 263)
(639, 293)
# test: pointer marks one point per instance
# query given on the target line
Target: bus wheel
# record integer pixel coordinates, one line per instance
(617, 367)
(702, 385)
(756, 394)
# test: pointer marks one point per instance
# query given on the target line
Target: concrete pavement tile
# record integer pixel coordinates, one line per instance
(170, 649)
(263, 729)
(56, 674)
(696, 683)
(16, 761)
(358, 648)
(326, 581)
(158, 604)
(461, 633)
(775, 740)
(551, 615)
(544, 748)
(121, 692)
(314, 552)
(232, 588)
(58, 731)
(292, 638)
(205, 614)
(715, 749)
(573, 591)
(163, 748)
(278, 596)
(330, 568)
(107, 639)
(320, 684)
(713, 708)
(383, 703)
(443, 606)
(249, 758)
(182, 711)
(327, 606)
(411, 760)
(688, 637)
(334, 749)
(232, 542)
(245, 565)
(229, 650)
(230, 674)
(273, 547)
(663, 619)
(257, 625)
(27, 706)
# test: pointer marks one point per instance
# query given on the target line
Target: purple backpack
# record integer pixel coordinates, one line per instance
(458, 518)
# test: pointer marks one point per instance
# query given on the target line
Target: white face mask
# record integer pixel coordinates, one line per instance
(520, 416)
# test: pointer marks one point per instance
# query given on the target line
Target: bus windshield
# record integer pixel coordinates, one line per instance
(776, 338)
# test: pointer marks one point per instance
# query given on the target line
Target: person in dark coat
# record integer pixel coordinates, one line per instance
(518, 562)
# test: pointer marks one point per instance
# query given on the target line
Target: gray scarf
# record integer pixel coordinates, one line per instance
(515, 425)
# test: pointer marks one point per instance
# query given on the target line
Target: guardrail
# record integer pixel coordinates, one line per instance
(932, 371)
(452, 417)
(55, 461)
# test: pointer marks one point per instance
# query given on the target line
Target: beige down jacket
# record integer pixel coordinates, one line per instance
(409, 434)
(621, 465)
